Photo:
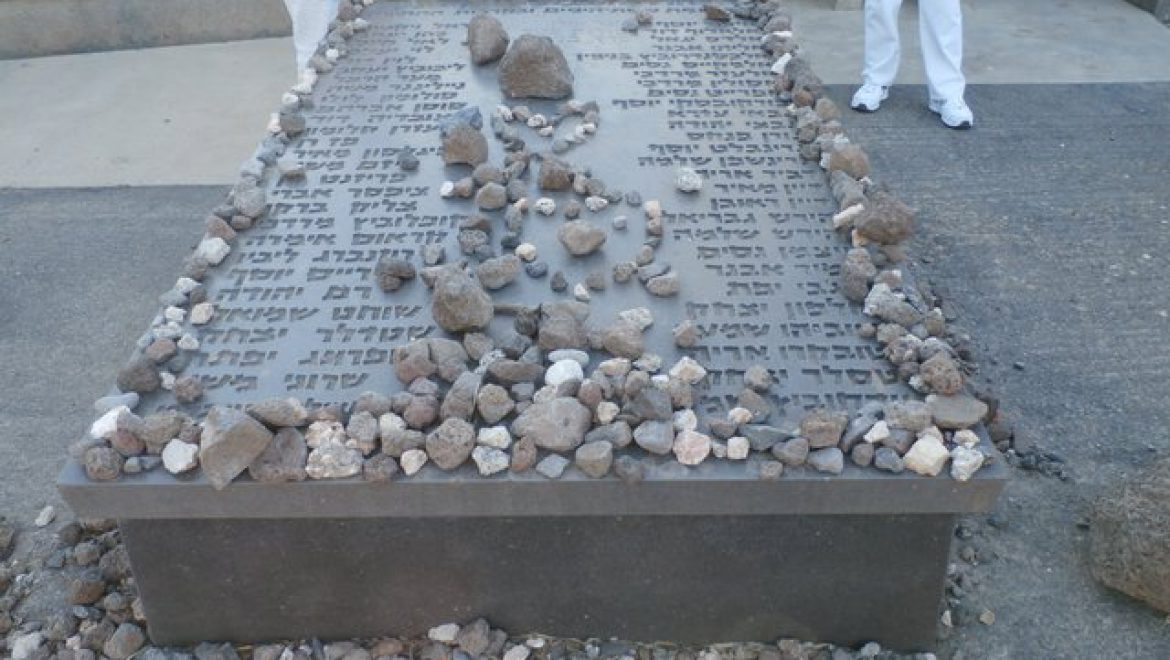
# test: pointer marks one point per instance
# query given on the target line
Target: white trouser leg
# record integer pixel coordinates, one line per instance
(882, 48)
(940, 22)
(310, 20)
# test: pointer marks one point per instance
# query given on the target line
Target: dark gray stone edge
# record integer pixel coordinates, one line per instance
(711, 489)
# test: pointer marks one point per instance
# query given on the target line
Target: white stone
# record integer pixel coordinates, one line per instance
(845, 218)
(504, 112)
(691, 447)
(445, 633)
(360, 24)
(639, 316)
(687, 180)
(166, 380)
(739, 415)
(202, 313)
(332, 54)
(547, 131)
(653, 208)
(688, 370)
(185, 285)
(188, 342)
(23, 647)
(580, 357)
(563, 372)
(213, 250)
(526, 251)
(46, 516)
(552, 466)
(389, 424)
(535, 643)
(579, 134)
(494, 436)
(544, 206)
(615, 367)
(447, 189)
(927, 457)
(412, 461)
(661, 381)
(179, 456)
(685, 420)
(105, 425)
(288, 98)
(489, 460)
(596, 204)
(581, 292)
(607, 411)
(537, 121)
(168, 330)
(589, 127)
(966, 438)
(718, 449)
(931, 432)
(273, 125)
(781, 64)
(518, 652)
(738, 448)
(333, 460)
(175, 314)
(965, 462)
(650, 362)
(322, 432)
(878, 432)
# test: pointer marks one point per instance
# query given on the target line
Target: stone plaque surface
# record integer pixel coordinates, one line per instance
(300, 315)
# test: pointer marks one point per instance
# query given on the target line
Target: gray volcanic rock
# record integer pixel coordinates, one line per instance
(581, 238)
(450, 445)
(498, 272)
(823, 428)
(594, 458)
(562, 325)
(277, 412)
(554, 174)
(460, 399)
(1129, 537)
(959, 411)
(459, 303)
(556, 425)
(535, 67)
(139, 375)
(655, 436)
(486, 39)
(942, 374)
(231, 441)
(283, 460)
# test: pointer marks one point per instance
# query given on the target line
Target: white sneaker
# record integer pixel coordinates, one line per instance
(953, 112)
(868, 98)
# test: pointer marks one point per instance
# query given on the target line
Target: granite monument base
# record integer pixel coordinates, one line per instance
(690, 579)
(715, 554)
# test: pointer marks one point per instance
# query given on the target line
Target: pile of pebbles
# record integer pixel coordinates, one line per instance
(101, 616)
(496, 401)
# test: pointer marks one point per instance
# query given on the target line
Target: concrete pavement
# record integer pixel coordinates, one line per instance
(189, 115)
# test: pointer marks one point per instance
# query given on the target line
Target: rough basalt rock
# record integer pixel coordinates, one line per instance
(464, 145)
(486, 39)
(459, 303)
(231, 441)
(535, 67)
(556, 425)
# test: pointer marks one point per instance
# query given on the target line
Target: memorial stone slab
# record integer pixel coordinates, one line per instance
(695, 554)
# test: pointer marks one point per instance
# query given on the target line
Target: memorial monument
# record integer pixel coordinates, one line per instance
(551, 316)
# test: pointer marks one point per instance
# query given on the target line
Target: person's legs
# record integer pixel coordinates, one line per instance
(882, 45)
(882, 53)
(940, 23)
(310, 20)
